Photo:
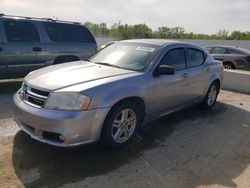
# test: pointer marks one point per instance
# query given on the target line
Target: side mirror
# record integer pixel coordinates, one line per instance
(164, 70)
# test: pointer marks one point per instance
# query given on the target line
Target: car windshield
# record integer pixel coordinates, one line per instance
(126, 55)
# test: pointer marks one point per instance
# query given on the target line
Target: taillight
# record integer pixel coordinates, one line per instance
(247, 58)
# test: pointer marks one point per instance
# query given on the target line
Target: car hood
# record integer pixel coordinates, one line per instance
(68, 74)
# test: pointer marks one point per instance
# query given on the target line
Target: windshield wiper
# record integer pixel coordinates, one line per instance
(107, 64)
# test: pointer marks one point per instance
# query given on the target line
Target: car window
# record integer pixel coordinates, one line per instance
(20, 31)
(219, 50)
(194, 57)
(59, 32)
(175, 58)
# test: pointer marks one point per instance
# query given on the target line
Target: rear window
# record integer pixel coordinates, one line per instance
(60, 32)
(20, 31)
(195, 57)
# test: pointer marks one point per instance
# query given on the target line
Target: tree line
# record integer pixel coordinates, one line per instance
(124, 31)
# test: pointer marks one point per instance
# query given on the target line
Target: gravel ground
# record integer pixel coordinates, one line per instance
(191, 148)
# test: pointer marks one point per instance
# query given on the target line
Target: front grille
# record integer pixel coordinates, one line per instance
(32, 96)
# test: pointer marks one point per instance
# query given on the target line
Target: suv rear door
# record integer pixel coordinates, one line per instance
(67, 40)
(23, 49)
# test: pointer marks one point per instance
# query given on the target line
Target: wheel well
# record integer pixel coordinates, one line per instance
(135, 100)
(217, 81)
(65, 58)
(229, 62)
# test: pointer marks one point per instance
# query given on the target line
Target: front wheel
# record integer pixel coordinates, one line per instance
(121, 125)
(211, 96)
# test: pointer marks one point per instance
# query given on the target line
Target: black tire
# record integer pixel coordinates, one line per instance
(107, 138)
(207, 103)
(228, 66)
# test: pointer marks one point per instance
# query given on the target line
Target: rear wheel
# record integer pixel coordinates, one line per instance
(211, 96)
(121, 125)
(228, 66)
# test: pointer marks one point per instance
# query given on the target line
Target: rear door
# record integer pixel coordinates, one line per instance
(23, 49)
(220, 53)
(68, 40)
(196, 75)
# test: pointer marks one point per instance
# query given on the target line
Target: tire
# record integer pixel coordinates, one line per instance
(211, 96)
(118, 130)
(228, 66)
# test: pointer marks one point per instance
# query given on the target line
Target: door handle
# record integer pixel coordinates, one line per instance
(37, 49)
(185, 75)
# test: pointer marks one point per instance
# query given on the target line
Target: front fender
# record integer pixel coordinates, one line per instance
(119, 94)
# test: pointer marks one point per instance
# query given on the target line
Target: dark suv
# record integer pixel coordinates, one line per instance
(29, 43)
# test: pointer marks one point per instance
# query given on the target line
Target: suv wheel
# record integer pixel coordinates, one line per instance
(121, 125)
(211, 96)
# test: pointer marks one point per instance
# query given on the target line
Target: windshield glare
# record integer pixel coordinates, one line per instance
(133, 56)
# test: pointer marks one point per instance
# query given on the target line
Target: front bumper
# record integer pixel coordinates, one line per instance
(59, 127)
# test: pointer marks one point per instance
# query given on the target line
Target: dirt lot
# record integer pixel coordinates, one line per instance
(191, 148)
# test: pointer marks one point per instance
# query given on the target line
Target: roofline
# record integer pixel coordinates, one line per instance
(37, 19)
(154, 41)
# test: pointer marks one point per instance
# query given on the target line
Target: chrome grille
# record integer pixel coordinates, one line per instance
(32, 96)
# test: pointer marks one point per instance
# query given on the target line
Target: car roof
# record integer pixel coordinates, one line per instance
(159, 42)
(224, 46)
(37, 19)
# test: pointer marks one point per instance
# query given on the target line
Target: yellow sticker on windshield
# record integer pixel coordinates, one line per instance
(146, 49)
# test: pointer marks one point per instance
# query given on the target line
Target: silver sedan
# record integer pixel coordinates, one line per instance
(118, 90)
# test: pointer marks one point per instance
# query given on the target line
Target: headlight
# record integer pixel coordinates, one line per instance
(67, 101)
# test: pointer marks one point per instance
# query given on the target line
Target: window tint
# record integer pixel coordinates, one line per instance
(175, 58)
(59, 32)
(195, 57)
(20, 31)
(218, 50)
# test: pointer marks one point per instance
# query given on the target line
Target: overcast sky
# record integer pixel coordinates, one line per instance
(199, 16)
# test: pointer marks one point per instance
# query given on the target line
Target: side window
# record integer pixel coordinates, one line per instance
(20, 31)
(218, 50)
(195, 57)
(60, 32)
(175, 58)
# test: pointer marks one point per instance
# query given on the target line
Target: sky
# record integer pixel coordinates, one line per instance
(198, 16)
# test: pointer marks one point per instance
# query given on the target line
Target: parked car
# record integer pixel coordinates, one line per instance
(27, 44)
(232, 57)
(120, 89)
